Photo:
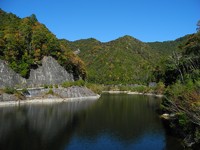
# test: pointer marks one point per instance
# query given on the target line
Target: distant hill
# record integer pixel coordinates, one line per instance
(167, 47)
(124, 60)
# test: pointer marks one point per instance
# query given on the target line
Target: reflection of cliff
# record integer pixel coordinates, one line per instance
(39, 126)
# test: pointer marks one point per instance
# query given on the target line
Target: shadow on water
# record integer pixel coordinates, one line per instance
(113, 122)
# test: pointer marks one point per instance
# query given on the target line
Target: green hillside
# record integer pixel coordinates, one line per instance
(167, 47)
(24, 42)
(125, 60)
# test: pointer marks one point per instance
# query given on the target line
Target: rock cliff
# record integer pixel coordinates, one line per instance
(49, 73)
(8, 78)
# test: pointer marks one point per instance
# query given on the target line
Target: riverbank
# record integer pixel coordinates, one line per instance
(133, 93)
(47, 100)
(46, 95)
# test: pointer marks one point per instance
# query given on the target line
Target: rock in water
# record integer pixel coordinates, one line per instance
(49, 73)
(8, 78)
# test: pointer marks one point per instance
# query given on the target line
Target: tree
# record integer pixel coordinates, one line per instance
(198, 26)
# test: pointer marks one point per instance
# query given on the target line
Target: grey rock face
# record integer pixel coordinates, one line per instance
(8, 97)
(74, 91)
(8, 78)
(70, 92)
(49, 73)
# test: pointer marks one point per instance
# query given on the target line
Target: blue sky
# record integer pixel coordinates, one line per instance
(105, 20)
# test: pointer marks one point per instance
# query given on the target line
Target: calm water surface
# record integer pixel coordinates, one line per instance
(113, 122)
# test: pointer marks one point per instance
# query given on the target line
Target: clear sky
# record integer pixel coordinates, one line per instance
(105, 20)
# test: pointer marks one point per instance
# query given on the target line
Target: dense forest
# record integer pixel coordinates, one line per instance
(182, 76)
(24, 42)
(125, 60)
(122, 61)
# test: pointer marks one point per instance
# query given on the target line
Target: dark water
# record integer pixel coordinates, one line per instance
(113, 122)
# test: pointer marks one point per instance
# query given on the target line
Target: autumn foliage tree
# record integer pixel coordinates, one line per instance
(24, 42)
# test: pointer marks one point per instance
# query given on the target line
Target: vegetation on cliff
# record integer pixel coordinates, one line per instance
(24, 42)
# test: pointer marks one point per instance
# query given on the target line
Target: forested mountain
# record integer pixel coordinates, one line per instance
(184, 64)
(24, 42)
(167, 47)
(125, 60)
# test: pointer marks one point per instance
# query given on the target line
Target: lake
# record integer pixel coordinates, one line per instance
(114, 122)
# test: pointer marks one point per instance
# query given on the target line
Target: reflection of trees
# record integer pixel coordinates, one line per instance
(128, 117)
(39, 126)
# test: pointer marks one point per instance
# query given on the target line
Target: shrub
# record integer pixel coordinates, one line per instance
(10, 90)
(24, 90)
(182, 119)
(45, 86)
(50, 91)
(160, 88)
(79, 83)
(51, 86)
(66, 84)
(56, 85)
(76, 83)
(97, 88)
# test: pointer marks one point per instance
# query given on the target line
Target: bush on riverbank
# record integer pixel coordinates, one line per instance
(75, 83)
(183, 102)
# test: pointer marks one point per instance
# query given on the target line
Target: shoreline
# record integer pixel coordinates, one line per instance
(47, 100)
(72, 99)
(133, 93)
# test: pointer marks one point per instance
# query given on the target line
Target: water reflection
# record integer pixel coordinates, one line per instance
(113, 122)
(126, 119)
(39, 126)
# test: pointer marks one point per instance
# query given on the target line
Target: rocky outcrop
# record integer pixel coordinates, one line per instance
(49, 73)
(8, 78)
(10, 97)
(70, 92)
